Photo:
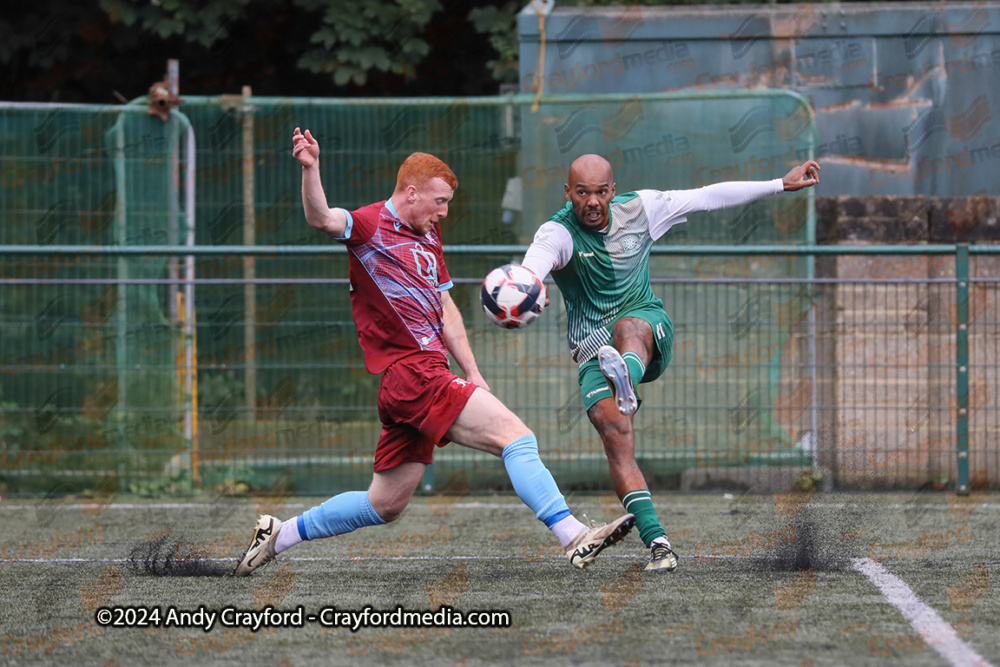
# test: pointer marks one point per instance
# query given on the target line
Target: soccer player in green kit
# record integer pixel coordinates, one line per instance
(597, 249)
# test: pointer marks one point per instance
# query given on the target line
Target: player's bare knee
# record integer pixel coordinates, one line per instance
(490, 425)
(610, 424)
(616, 434)
(511, 436)
(510, 428)
(630, 330)
(389, 509)
(391, 513)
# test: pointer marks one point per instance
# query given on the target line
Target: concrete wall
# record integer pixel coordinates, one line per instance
(904, 94)
(891, 394)
(886, 356)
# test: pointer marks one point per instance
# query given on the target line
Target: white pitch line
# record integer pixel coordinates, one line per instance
(236, 560)
(234, 502)
(138, 506)
(936, 632)
(661, 503)
(48, 561)
(44, 561)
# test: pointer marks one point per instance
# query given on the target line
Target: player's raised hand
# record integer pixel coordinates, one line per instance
(305, 149)
(803, 176)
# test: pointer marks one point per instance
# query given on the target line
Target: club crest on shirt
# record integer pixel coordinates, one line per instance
(426, 265)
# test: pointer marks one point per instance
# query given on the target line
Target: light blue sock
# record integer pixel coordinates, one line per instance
(339, 515)
(533, 482)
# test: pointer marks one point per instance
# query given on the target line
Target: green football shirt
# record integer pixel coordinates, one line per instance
(607, 273)
(604, 274)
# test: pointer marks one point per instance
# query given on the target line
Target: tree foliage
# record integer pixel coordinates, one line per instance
(500, 24)
(346, 39)
(86, 51)
(66, 50)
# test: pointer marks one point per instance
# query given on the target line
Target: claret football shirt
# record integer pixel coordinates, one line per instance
(397, 277)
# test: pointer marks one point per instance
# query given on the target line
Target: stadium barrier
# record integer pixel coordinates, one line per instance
(129, 361)
(882, 374)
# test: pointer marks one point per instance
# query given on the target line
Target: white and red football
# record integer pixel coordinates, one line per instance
(513, 297)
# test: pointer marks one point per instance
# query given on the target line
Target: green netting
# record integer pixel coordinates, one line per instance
(281, 396)
(674, 141)
(89, 381)
(739, 334)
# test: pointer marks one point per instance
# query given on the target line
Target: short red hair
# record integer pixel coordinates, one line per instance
(420, 168)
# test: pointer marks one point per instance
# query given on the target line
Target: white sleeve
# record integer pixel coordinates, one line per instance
(670, 207)
(550, 251)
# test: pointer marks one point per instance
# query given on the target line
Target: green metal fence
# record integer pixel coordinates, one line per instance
(92, 177)
(510, 157)
(142, 347)
(883, 375)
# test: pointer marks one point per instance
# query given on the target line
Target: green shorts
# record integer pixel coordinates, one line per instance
(594, 386)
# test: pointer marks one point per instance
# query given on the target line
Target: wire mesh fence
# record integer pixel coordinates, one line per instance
(854, 375)
(173, 367)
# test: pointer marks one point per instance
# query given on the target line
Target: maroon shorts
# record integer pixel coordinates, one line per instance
(419, 399)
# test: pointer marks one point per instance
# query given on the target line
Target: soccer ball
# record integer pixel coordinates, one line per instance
(513, 297)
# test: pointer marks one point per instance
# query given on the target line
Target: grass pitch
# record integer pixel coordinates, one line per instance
(763, 580)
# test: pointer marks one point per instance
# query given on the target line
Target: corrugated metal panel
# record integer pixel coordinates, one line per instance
(904, 95)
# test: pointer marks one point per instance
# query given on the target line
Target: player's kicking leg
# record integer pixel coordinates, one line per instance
(612, 417)
(426, 404)
(385, 500)
(488, 425)
(616, 371)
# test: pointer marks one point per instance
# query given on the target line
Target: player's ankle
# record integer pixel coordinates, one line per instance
(288, 536)
(566, 530)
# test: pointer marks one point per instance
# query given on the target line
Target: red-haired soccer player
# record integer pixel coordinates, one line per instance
(407, 324)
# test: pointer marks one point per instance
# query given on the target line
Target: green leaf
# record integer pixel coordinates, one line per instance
(343, 75)
(324, 36)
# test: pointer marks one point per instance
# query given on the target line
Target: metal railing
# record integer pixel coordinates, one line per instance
(862, 372)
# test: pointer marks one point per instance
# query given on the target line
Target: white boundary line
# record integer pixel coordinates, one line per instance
(140, 561)
(238, 502)
(58, 561)
(936, 632)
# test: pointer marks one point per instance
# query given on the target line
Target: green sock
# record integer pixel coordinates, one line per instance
(640, 504)
(636, 369)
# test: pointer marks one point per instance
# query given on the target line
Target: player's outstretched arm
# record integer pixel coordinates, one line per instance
(319, 215)
(670, 207)
(457, 341)
(805, 175)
